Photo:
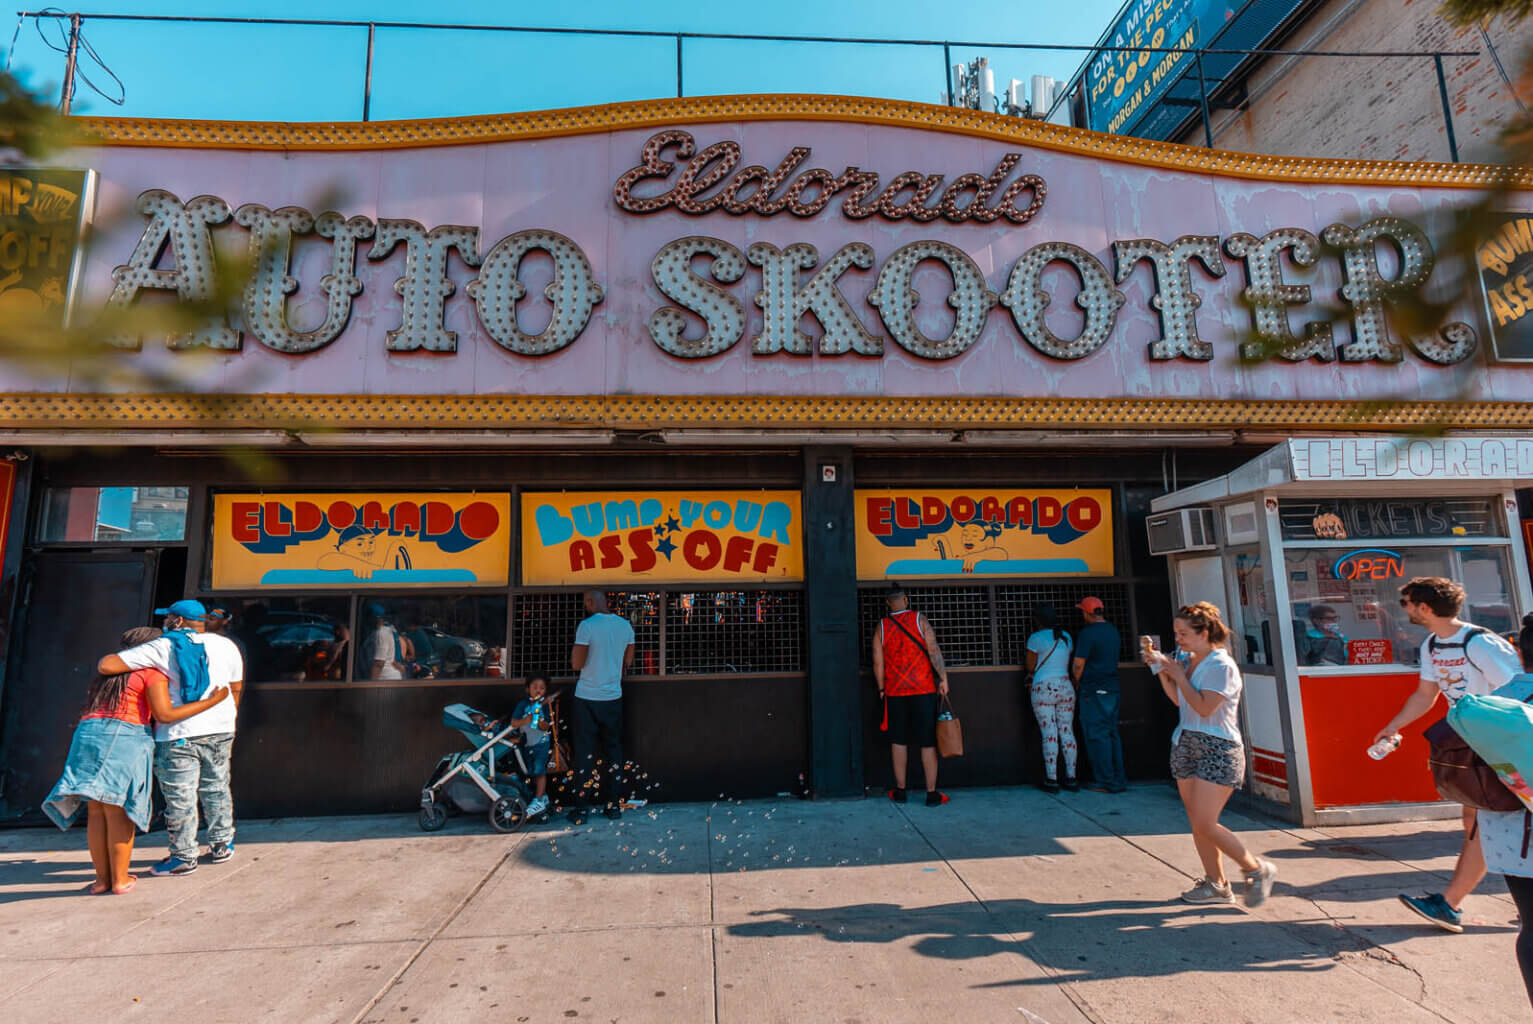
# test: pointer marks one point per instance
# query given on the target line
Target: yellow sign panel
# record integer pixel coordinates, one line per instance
(908, 534)
(297, 541)
(42, 213)
(633, 537)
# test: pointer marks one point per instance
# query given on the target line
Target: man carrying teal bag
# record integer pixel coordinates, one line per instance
(1500, 729)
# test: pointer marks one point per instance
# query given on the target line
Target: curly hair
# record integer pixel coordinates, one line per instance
(1205, 618)
(1443, 596)
(106, 692)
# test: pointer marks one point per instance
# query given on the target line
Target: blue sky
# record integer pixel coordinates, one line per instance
(297, 74)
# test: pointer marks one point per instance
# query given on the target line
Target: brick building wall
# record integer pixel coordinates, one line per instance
(1377, 108)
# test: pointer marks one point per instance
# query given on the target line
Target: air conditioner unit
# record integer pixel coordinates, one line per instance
(1241, 525)
(1186, 529)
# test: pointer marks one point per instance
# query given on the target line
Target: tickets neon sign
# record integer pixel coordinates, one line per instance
(1370, 564)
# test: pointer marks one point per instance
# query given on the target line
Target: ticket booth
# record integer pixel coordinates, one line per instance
(1305, 549)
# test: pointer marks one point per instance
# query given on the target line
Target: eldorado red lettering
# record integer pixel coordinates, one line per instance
(905, 515)
(990, 510)
(933, 511)
(1019, 512)
(272, 522)
(1048, 513)
(341, 515)
(963, 509)
(373, 516)
(438, 519)
(1084, 514)
(880, 511)
(479, 520)
(307, 517)
(405, 516)
(245, 521)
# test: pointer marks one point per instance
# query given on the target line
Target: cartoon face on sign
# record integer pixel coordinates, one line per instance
(361, 552)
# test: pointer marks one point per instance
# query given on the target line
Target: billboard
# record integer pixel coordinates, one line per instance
(1504, 257)
(924, 533)
(634, 537)
(1122, 84)
(368, 540)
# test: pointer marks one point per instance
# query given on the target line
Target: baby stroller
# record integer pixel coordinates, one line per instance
(492, 777)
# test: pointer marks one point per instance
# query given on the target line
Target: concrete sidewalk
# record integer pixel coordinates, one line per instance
(1006, 904)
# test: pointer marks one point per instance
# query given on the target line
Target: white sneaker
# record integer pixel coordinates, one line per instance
(1259, 882)
(538, 806)
(1207, 892)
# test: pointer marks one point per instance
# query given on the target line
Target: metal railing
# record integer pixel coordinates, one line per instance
(73, 24)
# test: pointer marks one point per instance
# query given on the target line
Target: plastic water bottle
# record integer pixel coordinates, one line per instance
(1386, 746)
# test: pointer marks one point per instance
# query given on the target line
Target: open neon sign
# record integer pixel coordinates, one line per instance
(1370, 564)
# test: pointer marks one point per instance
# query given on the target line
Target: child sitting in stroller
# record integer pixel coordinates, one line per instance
(532, 717)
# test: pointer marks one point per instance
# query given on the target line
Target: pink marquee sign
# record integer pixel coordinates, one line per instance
(790, 257)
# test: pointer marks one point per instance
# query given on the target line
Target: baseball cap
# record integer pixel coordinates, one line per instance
(1093, 605)
(186, 608)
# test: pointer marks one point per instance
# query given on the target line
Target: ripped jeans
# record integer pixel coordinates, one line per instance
(189, 769)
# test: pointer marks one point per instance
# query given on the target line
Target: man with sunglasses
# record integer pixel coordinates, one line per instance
(1457, 659)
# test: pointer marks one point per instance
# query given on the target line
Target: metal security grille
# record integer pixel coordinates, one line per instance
(675, 633)
(1015, 606)
(959, 615)
(729, 631)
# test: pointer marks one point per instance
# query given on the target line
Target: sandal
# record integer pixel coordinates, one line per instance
(126, 886)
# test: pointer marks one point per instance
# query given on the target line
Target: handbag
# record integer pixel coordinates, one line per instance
(1462, 776)
(949, 732)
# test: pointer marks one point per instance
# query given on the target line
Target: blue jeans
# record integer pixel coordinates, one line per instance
(1099, 726)
(189, 769)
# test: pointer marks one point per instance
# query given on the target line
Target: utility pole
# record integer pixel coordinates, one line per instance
(69, 64)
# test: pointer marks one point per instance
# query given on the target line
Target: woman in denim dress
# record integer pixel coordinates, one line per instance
(111, 761)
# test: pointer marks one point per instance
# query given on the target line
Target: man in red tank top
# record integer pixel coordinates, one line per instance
(908, 667)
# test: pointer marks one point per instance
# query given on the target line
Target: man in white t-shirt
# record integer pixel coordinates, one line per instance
(603, 651)
(191, 757)
(382, 645)
(1457, 659)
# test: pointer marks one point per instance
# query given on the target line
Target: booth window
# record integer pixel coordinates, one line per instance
(1345, 601)
(1251, 621)
(113, 515)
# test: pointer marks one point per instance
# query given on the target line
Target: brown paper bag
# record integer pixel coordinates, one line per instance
(949, 732)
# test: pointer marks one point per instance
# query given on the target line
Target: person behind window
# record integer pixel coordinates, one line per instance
(1323, 642)
(111, 759)
(1208, 754)
(382, 646)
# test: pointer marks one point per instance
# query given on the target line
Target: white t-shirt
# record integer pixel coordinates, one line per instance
(1054, 665)
(225, 666)
(605, 637)
(1218, 673)
(1483, 667)
(384, 648)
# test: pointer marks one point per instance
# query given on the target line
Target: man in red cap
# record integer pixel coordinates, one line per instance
(1095, 668)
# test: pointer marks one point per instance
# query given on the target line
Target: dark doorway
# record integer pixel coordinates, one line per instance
(76, 605)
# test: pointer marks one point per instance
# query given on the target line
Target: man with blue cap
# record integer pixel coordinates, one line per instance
(191, 757)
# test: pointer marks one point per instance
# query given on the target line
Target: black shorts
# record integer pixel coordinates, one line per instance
(913, 720)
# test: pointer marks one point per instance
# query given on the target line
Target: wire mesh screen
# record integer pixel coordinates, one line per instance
(543, 630)
(729, 631)
(723, 631)
(1015, 606)
(960, 616)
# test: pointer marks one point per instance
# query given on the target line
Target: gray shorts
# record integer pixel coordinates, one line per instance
(1201, 755)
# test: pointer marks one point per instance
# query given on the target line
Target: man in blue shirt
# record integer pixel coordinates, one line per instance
(603, 651)
(1095, 668)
